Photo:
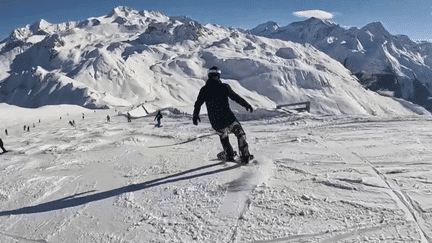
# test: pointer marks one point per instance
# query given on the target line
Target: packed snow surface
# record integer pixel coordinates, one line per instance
(316, 179)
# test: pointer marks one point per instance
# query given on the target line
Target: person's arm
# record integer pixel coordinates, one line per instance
(237, 98)
(197, 107)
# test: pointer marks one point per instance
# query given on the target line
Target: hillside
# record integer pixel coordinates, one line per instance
(383, 62)
(132, 58)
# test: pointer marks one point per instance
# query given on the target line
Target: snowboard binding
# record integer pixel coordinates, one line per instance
(243, 159)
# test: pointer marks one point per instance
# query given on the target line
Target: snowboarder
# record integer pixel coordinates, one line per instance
(215, 94)
(158, 117)
(1, 146)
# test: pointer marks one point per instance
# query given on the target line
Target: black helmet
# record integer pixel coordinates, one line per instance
(214, 71)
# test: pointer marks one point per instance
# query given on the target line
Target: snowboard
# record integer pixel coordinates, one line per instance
(5, 152)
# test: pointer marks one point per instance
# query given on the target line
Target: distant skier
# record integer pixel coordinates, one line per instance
(158, 117)
(129, 117)
(108, 119)
(25, 127)
(6, 132)
(215, 94)
(1, 146)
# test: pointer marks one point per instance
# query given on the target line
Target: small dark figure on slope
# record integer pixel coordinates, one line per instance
(158, 118)
(129, 119)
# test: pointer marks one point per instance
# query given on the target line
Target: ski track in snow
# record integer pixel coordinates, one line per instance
(318, 179)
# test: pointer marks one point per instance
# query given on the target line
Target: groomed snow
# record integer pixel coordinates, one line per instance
(318, 179)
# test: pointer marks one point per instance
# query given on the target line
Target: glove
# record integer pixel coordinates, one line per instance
(195, 119)
(249, 108)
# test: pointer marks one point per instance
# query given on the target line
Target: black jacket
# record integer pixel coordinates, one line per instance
(215, 94)
(158, 116)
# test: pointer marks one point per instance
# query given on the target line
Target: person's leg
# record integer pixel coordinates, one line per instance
(241, 138)
(224, 138)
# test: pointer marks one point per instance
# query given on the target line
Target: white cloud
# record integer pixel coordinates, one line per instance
(320, 14)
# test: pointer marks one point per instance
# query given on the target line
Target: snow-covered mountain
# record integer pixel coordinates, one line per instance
(132, 57)
(381, 61)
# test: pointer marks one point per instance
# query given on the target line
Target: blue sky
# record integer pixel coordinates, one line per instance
(412, 18)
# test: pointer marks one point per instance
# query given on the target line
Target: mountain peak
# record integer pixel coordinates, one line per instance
(39, 27)
(321, 22)
(120, 11)
(376, 28)
(268, 27)
(311, 21)
(374, 25)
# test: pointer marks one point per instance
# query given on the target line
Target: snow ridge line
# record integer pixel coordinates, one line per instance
(247, 207)
(330, 240)
(20, 238)
(239, 191)
(397, 195)
(409, 208)
(187, 141)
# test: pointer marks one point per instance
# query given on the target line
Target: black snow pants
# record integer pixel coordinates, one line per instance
(237, 130)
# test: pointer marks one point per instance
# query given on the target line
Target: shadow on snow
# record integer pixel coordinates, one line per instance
(79, 199)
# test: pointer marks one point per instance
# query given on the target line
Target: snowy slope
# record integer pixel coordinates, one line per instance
(131, 57)
(318, 179)
(380, 60)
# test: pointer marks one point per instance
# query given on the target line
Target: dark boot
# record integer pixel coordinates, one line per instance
(223, 156)
(245, 159)
(229, 151)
